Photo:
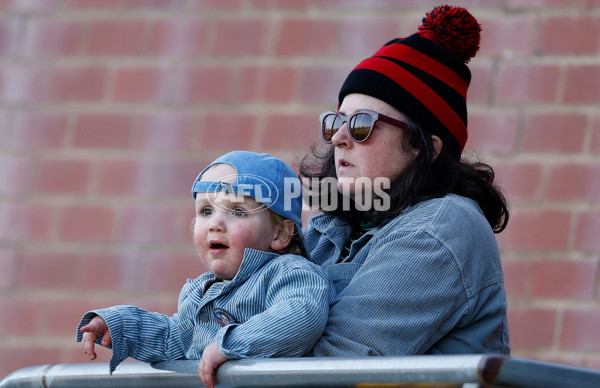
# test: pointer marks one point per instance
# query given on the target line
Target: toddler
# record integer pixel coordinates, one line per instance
(259, 299)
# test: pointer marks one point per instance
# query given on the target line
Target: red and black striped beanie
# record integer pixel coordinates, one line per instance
(425, 75)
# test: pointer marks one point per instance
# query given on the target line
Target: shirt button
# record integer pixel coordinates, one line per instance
(203, 317)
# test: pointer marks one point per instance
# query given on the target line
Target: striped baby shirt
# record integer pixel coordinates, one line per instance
(276, 306)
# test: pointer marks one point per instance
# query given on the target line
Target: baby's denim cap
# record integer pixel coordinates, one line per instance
(265, 178)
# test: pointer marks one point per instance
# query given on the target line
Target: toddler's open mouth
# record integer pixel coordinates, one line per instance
(218, 246)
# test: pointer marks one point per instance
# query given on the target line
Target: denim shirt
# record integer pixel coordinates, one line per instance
(428, 282)
(276, 306)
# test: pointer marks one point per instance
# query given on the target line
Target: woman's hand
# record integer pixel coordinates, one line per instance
(97, 327)
(211, 359)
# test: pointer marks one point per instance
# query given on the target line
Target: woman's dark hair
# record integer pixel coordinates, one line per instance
(423, 178)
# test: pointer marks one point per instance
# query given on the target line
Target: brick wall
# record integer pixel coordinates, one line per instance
(109, 108)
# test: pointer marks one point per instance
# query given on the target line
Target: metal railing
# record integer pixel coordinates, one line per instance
(423, 371)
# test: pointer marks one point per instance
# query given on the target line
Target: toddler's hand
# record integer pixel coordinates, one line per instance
(211, 359)
(97, 327)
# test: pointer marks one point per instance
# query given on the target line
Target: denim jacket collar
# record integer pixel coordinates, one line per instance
(253, 260)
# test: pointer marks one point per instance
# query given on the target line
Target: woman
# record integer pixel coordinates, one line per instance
(420, 274)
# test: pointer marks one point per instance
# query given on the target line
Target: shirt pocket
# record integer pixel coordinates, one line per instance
(341, 274)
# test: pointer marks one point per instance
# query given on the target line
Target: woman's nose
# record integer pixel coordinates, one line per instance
(341, 138)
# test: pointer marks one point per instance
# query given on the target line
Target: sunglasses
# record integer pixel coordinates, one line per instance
(360, 124)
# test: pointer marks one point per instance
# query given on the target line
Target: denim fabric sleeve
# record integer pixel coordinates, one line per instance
(297, 304)
(408, 291)
(138, 333)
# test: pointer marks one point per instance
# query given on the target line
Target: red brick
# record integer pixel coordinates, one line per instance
(62, 316)
(115, 37)
(15, 175)
(492, 132)
(306, 37)
(169, 131)
(8, 263)
(55, 271)
(480, 88)
(577, 361)
(267, 84)
(90, 4)
(5, 127)
(151, 4)
(126, 177)
(8, 37)
(322, 85)
(227, 132)
(527, 83)
(152, 223)
(77, 84)
(531, 328)
(23, 83)
(520, 181)
(594, 363)
(102, 131)
(595, 147)
(574, 182)
(538, 230)
(580, 330)
(119, 272)
(135, 84)
(176, 176)
(63, 177)
(289, 132)
(582, 85)
(507, 35)
(214, 4)
(201, 84)
(241, 37)
(86, 223)
(553, 133)
(74, 355)
(564, 279)
(387, 5)
(363, 36)
(186, 234)
(279, 4)
(39, 130)
(169, 273)
(537, 4)
(587, 232)
(517, 275)
(569, 35)
(30, 5)
(18, 316)
(25, 222)
(591, 4)
(179, 37)
(45, 37)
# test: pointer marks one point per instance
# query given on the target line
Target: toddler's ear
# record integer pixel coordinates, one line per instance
(284, 232)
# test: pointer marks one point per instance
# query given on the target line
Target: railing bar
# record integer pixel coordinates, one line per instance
(449, 371)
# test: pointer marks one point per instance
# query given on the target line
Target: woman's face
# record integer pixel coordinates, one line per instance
(381, 156)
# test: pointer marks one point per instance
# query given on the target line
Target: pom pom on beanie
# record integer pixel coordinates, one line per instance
(453, 28)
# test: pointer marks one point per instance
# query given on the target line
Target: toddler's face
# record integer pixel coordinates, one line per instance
(227, 224)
